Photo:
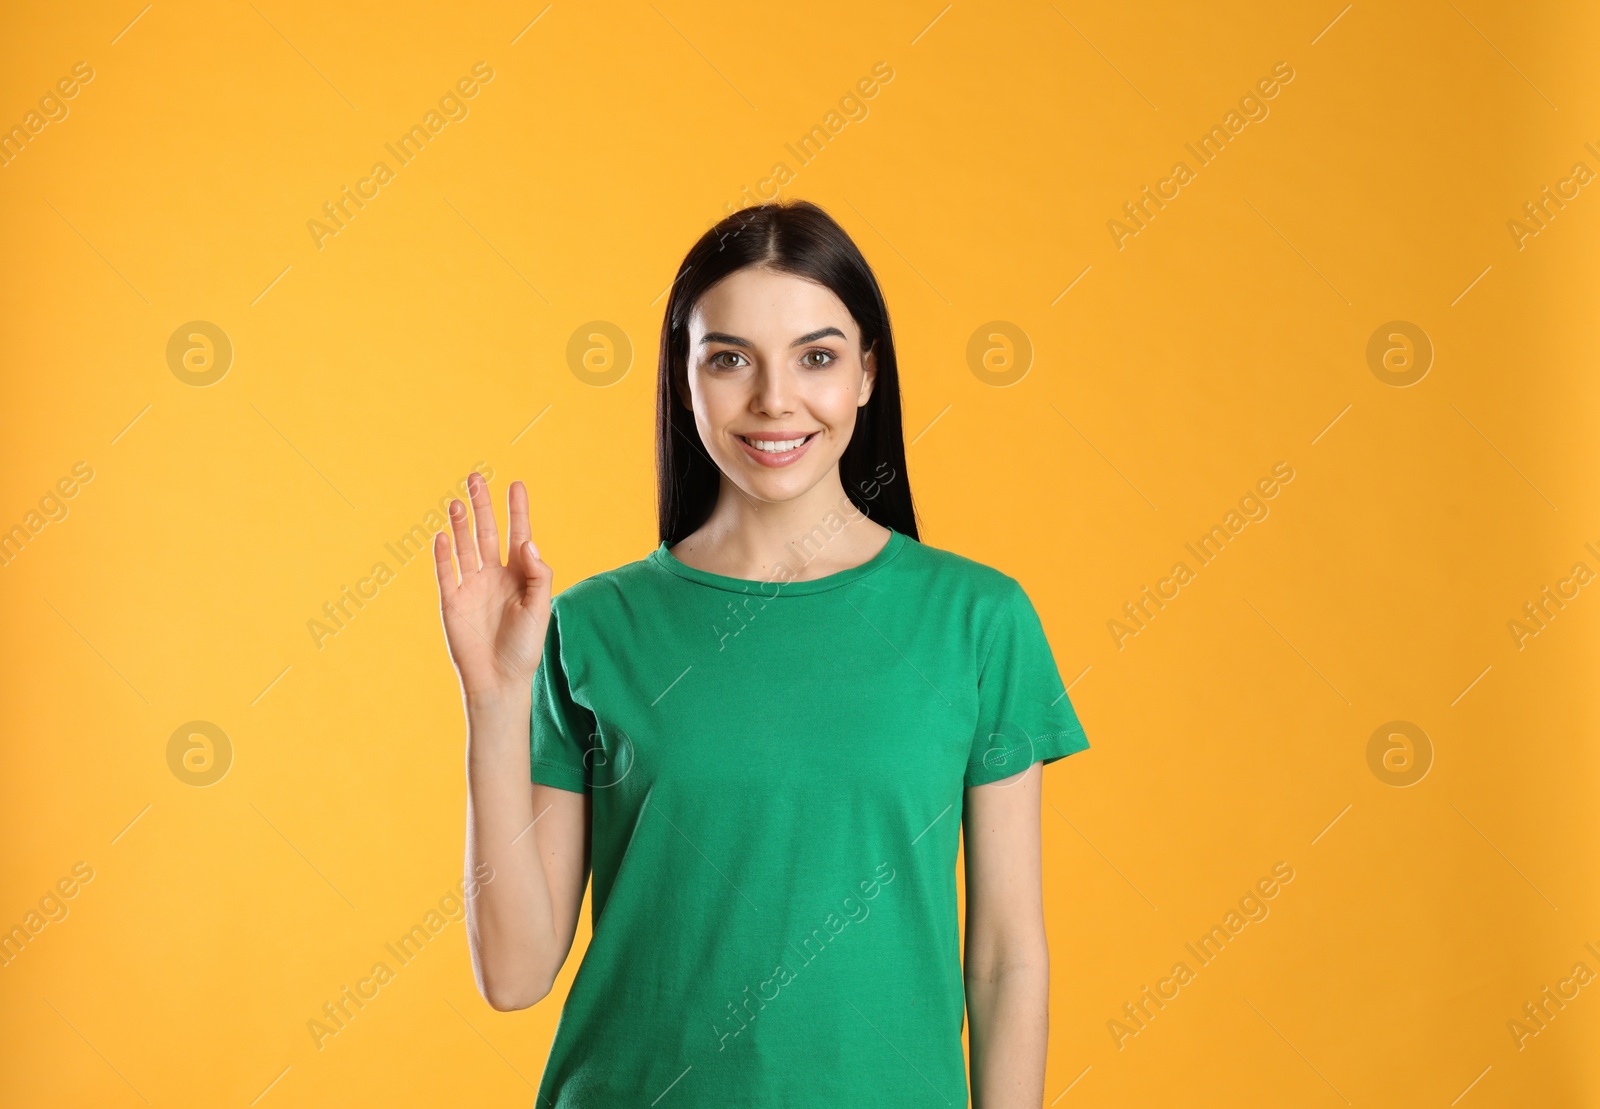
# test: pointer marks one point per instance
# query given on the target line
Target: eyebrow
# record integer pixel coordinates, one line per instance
(735, 341)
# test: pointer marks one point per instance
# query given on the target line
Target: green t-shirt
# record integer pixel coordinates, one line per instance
(776, 771)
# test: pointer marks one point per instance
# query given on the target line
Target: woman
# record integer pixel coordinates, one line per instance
(764, 737)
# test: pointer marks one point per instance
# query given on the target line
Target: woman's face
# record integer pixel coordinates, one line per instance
(775, 378)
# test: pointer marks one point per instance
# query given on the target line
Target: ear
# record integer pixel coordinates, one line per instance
(869, 378)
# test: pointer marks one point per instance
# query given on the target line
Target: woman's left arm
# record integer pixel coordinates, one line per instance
(1007, 963)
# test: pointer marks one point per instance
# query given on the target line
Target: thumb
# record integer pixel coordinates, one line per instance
(537, 577)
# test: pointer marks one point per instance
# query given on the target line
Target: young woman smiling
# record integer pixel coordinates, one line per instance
(765, 738)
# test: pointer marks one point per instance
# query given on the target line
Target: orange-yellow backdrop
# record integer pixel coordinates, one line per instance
(1382, 276)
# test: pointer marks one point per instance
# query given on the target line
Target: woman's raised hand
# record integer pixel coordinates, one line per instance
(495, 616)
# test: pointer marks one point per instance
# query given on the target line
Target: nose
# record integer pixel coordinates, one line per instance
(774, 390)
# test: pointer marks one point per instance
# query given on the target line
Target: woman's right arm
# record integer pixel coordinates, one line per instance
(527, 843)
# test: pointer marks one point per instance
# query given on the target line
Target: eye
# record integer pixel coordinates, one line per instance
(827, 354)
(713, 360)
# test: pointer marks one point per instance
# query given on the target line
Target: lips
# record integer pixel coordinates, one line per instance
(777, 448)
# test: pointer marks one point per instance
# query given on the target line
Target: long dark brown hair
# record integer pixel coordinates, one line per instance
(795, 237)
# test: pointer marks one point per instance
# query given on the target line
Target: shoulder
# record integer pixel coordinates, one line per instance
(950, 572)
(602, 592)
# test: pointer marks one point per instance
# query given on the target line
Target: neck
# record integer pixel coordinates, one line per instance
(814, 534)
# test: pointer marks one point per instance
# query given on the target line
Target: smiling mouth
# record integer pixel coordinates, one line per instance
(777, 446)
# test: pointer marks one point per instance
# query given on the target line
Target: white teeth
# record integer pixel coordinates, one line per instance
(777, 447)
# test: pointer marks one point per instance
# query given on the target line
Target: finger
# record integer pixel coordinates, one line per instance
(517, 517)
(539, 576)
(483, 517)
(444, 569)
(464, 546)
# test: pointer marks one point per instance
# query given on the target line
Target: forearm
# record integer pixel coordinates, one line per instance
(1008, 1026)
(510, 924)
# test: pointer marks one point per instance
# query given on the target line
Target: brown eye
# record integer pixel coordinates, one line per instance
(723, 365)
(827, 354)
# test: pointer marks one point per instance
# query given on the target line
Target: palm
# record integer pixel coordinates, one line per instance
(495, 616)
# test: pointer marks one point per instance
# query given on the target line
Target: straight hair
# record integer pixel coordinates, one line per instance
(795, 237)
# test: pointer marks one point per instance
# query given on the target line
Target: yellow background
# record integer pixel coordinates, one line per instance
(1231, 333)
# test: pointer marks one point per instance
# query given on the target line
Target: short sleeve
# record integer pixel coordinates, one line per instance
(560, 731)
(1024, 715)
